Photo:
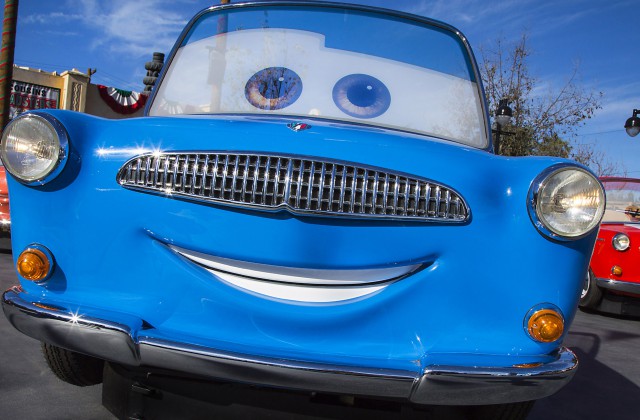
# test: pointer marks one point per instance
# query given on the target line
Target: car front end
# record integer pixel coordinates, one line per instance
(613, 281)
(325, 217)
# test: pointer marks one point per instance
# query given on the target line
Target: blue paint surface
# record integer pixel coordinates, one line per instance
(467, 307)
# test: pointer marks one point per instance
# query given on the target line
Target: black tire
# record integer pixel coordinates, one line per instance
(73, 368)
(511, 411)
(591, 293)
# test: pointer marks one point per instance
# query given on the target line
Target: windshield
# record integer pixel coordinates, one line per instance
(326, 62)
(623, 201)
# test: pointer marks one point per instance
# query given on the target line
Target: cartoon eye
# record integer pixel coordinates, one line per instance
(273, 88)
(361, 96)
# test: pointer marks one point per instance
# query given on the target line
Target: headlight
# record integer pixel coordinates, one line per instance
(621, 242)
(566, 202)
(34, 148)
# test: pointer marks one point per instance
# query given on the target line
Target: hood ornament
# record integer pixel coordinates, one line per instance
(298, 126)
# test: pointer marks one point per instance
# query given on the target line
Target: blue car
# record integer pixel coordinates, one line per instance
(310, 203)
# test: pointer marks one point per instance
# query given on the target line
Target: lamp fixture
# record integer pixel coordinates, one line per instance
(633, 124)
(504, 113)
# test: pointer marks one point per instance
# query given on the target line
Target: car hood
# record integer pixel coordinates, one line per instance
(156, 254)
(628, 228)
(495, 189)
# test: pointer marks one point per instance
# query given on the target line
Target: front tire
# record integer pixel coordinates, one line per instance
(71, 367)
(591, 293)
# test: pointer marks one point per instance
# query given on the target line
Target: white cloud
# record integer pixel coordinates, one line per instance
(127, 27)
(617, 105)
(133, 27)
(47, 18)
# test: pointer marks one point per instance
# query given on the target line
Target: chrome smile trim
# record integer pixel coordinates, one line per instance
(298, 284)
(300, 185)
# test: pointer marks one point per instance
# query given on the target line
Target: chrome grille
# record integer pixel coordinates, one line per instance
(301, 185)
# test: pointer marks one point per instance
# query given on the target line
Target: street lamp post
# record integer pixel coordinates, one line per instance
(633, 124)
(503, 117)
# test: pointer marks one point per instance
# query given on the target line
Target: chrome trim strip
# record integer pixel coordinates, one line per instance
(300, 292)
(443, 385)
(5, 225)
(288, 374)
(296, 275)
(299, 284)
(334, 193)
(619, 286)
(131, 342)
(95, 336)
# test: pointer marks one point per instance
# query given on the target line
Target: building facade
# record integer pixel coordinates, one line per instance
(72, 90)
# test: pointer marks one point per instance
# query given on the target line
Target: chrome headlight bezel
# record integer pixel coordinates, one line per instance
(537, 194)
(58, 158)
(621, 242)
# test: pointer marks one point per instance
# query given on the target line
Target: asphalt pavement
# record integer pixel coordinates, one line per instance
(606, 385)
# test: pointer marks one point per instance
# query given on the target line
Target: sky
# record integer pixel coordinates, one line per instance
(600, 38)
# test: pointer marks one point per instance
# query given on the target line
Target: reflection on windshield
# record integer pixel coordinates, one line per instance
(326, 63)
(623, 202)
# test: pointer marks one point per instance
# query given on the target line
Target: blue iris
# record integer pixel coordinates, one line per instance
(273, 88)
(361, 96)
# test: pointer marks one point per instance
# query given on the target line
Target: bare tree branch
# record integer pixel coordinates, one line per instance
(597, 161)
(542, 124)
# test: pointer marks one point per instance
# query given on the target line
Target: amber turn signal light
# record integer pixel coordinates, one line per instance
(34, 264)
(616, 270)
(545, 325)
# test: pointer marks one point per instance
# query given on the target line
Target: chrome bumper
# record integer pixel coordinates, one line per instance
(126, 341)
(5, 226)
(619, 286)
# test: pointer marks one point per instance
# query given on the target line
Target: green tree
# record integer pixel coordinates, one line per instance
(542, 123)
(553, 145)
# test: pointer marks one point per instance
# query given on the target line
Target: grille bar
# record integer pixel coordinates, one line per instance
(298, 184)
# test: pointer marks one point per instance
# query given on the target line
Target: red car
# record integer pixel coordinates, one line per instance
(5, 219)
(613, 281)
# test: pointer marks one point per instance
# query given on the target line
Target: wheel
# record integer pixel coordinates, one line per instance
(591, 293)
(73, 368)
(511, 411)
